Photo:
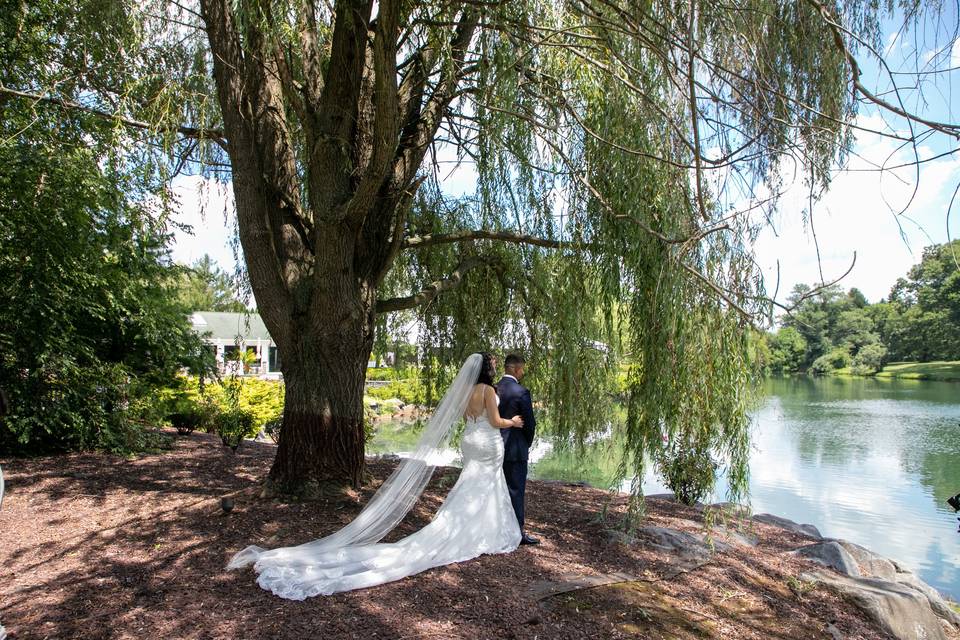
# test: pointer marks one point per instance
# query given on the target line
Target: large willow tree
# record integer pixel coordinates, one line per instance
(616, 152)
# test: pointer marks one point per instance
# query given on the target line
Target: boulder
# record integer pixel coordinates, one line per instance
(898, 609)
(886, 586)
(871, 564)
(830, 554)
(669, 497)
(935, 600)
(789, 525)
(688, 546)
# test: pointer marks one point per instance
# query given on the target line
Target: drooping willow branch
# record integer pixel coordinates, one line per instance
(837, 31)
(196, 133)
(434, 289)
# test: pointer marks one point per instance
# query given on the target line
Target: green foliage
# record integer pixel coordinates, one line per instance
(836, 358)
(261, 399)
(89, 327)
(831, 330)
(410, 391)
(688, 469)
(788, 350)
(928, 302)
(205, 287)
(233, 425)
(869, 360)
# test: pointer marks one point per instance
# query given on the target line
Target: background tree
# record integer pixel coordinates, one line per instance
(204, 286)
(788, 351)
(928, 305)
(90, 326)
(597, 129)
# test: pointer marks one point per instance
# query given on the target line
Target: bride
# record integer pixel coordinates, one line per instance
(476, 517)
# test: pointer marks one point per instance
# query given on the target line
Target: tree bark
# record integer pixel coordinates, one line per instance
(322, 440)
(320, 228)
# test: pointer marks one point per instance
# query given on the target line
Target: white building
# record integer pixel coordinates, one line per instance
(228, 333)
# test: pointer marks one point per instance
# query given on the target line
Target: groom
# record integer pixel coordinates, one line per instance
(515, 400)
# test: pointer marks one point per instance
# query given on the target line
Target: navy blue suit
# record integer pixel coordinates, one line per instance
(515, 401)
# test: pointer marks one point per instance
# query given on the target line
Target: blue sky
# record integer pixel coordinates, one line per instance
(860, 213)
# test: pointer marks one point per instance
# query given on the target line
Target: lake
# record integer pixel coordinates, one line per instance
(870, 461)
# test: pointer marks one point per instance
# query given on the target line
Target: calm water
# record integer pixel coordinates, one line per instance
(866, 460)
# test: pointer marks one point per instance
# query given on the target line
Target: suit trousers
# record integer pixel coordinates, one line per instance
(515, 472)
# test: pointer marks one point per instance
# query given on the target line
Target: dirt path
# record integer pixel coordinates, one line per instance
(96, 546)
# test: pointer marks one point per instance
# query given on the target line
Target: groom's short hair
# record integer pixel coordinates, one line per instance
(513, 360)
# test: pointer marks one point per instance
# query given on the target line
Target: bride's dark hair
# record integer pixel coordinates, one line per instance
(487, 372)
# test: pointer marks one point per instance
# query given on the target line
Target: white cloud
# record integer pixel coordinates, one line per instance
(207, 207)
(859, 214)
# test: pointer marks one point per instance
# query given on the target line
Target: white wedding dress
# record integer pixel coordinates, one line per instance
(476, 518)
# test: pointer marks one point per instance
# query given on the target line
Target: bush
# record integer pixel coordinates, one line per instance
(409, 391)
(869, 359)
(89, 326)
(272, 428)
(234, 425)
(836, 358)
(263, 399)
(689, 471)
(185, 423)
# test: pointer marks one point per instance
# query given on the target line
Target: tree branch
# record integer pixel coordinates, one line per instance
(418, 134)
(418, 242)
(197, 133)
(951, 129)
(432, 290)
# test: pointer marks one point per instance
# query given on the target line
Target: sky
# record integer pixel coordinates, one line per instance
(860, 214)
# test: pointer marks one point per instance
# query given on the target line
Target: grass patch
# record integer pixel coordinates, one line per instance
(943, 370)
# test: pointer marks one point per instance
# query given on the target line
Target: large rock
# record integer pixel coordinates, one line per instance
(830, 554)
(689, 546)
(883, 588)
(873, 565)
(899, 610)
(789, 525)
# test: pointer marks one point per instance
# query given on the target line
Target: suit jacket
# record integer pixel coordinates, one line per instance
(515, 400)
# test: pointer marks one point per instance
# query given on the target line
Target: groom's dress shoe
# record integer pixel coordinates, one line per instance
(528, 540)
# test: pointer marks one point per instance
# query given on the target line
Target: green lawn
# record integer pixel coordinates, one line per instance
(922, 370)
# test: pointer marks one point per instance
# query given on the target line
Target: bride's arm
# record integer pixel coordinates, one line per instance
(493, 415)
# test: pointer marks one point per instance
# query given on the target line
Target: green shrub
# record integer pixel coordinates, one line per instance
(185, 423)
(836, 358)
(409, 391)
(689, 471)
(272, 428)
(233, 425)
(263, 399)
(869, 359)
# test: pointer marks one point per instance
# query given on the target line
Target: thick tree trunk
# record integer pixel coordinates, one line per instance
(322, 440)
(316, 250)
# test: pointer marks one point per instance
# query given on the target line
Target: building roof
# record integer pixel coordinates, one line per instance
(227, 326)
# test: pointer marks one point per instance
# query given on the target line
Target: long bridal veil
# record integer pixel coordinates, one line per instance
(397, 495)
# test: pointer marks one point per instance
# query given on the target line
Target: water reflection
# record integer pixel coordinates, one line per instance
(872, 461)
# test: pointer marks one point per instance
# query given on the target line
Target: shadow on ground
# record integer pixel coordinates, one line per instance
(96, 546)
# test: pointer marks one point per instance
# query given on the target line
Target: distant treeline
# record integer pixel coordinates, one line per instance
(829, 330)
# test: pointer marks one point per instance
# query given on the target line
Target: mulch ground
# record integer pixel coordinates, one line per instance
(98, 546)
